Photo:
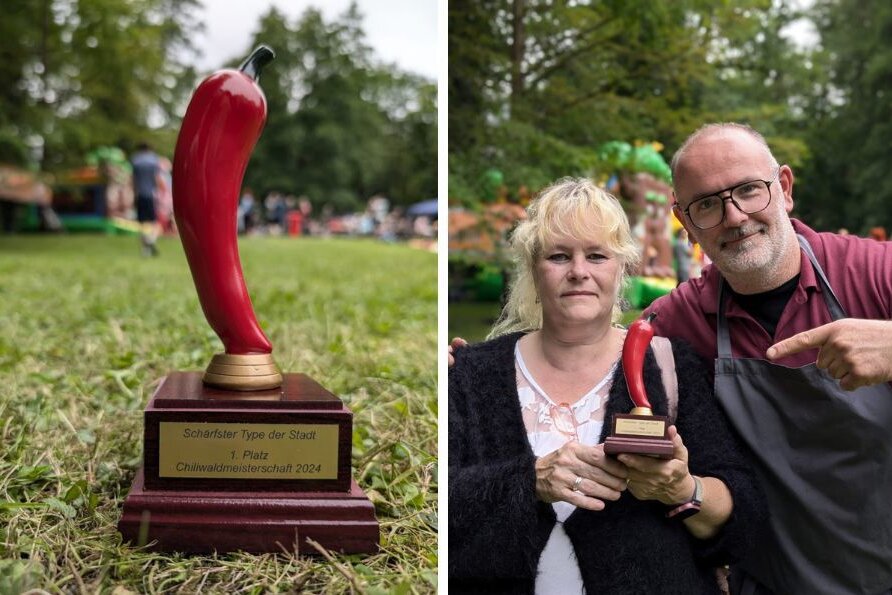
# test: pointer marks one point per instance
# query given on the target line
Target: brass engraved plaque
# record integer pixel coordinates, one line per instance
(248, 451)
(640, 427)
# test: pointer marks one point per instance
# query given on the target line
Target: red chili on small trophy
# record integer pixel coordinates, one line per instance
(634, 347)
(639, 431)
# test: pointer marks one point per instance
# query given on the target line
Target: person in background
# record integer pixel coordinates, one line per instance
(246, 214)
(682, 252)
(164, 197)
(305, 207)
(277, 211)
(535, 505)
(146, 170)
(878, 234)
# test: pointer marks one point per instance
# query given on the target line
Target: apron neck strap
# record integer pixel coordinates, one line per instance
(833, 305)
(723, 337)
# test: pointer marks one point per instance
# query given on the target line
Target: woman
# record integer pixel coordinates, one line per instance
(535, 506)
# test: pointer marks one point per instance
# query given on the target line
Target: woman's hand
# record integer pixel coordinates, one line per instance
(602, 478)
(670, 482)
(665, 480)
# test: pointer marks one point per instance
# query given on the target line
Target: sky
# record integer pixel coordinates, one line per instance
(403, 32)
(802, 32)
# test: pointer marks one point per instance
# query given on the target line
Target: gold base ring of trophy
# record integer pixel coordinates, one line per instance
(255, 371)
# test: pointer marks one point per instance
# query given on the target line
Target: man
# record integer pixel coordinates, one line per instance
(146, 169)
(798, 323)
(819, 433)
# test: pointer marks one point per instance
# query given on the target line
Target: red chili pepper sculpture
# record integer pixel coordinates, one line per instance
(219, 131)
(634, 347)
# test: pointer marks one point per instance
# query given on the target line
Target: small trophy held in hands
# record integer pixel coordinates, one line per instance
(639, 431)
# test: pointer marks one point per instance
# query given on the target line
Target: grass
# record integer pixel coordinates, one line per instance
(89, 328)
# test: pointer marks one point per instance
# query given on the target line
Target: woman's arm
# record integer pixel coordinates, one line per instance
(733, 508)
(671, 482)
(715, 509)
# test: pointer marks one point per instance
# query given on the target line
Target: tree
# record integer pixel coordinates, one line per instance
(537, 85)
(29, 33)
(341, 127)
(847, 182)
(94, 72)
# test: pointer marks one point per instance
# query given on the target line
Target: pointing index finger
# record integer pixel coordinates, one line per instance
(805, 340)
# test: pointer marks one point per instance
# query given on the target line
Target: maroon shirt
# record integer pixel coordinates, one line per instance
(859, 271)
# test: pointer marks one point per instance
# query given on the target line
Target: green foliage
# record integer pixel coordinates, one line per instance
(13, 149)
(90, 328)
(536, 87)
(341, 128)
(75, 76)
(847, 181)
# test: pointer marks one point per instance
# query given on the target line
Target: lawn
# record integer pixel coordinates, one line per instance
(89, 328)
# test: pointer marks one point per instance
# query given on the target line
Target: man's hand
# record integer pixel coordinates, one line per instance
(456, 343)
(856, 352)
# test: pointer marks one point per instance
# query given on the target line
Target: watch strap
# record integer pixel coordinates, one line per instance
(692, 506)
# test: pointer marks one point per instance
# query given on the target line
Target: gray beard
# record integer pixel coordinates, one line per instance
(755, 271)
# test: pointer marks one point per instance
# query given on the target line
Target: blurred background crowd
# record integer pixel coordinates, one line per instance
(349, 146)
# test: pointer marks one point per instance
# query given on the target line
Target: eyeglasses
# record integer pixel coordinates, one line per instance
(565, 420)
(749, 197)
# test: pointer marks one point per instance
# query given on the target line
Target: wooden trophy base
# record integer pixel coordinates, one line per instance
(640, 435)
(204, 522)
(257, 471)
(615, 445)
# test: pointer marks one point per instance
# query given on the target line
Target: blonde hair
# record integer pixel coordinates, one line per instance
(570, 207)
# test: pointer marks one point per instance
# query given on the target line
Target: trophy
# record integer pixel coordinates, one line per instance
(240, 457)
(639, 431)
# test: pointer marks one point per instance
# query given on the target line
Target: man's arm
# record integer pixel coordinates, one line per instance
(456, 343)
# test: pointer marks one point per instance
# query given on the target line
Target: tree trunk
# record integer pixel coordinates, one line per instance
(517, 56)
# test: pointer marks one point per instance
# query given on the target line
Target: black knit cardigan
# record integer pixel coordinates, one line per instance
(498, 528)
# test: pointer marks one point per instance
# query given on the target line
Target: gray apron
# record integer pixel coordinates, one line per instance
(824, 458)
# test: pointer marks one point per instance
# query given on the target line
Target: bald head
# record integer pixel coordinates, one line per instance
(714, 131)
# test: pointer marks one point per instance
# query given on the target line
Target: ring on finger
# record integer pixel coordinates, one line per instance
(577, 483)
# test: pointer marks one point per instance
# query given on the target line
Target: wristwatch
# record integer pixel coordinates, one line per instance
(692, 506)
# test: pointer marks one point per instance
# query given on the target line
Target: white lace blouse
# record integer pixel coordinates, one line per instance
(549, 426)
